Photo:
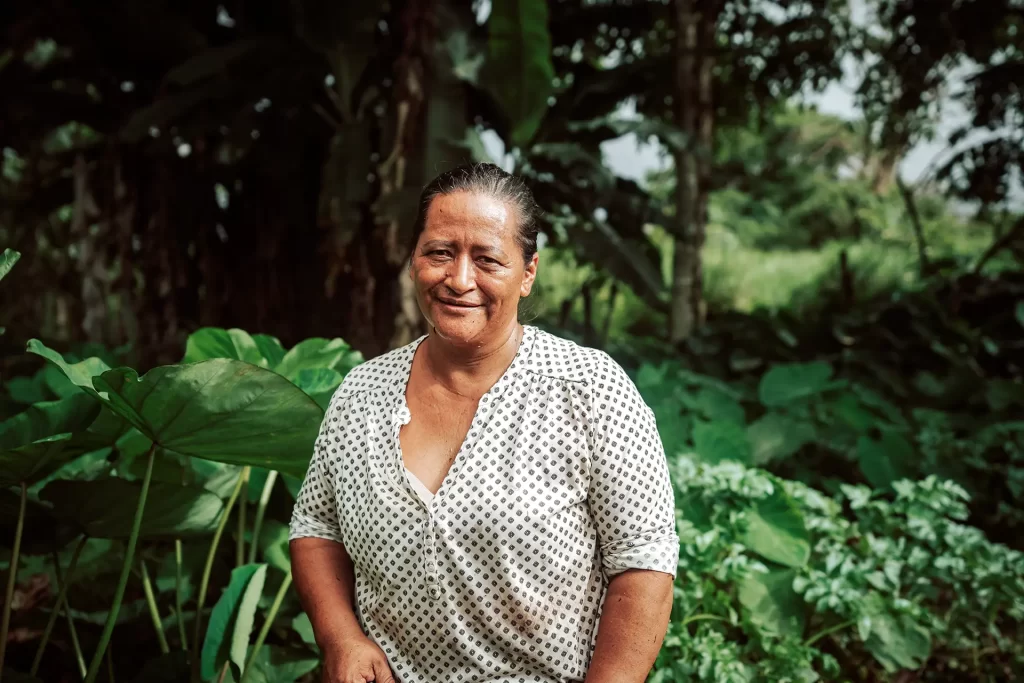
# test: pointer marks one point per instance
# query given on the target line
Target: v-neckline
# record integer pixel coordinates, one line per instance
(402, 415)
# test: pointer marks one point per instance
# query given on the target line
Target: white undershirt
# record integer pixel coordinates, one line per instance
(421, 490)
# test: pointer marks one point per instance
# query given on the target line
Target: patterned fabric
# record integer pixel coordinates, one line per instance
(560, 484)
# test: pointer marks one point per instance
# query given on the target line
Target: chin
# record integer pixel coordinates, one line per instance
(460, 328)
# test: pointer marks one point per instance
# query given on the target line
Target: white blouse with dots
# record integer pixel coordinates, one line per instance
(499, 577)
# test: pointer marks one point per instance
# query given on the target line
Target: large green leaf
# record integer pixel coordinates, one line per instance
(776, 436)
(103, 508)
(304, 628)
(80, 373)
(215, 342)
(716, 442)
(7, 261)
(773, 604)
(319, 384)
(216, 643)
(246, 617)
(898, 642)
(222, 409)
(519, 63)
(792, 382)
(776, 531)
(314, 354)
(45, 436)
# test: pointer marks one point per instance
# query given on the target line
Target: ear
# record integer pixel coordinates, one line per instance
(529, 275)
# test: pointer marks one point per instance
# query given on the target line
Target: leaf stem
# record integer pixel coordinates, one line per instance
(177, 595)
(703, 617)
(62, 591)
(240, 539)
(261, 510)
(204, 583)
(829, 631)
(126, 569)
(12, 577)
(278, 599)
(154, 611)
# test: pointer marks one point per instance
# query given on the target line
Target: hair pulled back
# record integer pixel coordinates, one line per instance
(490, 180)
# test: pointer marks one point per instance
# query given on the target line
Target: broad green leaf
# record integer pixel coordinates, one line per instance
(717, 406)
(7, 261)
(792, 382)
(246, 616)
(215, 342)
(885, 460)
(519, 63)
(302, 626)
(279, 665)
(776, 531)
(313, 354)
(221, 409)
(216, 643)
(898, 642)
(270, 348)
(80, 373)
(319, 384)
(46, 436)
(103, 508)
(273, 543)
(773, 604)
(776, 436)
(716, 442)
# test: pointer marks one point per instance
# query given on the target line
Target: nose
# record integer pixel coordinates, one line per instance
(460, 275)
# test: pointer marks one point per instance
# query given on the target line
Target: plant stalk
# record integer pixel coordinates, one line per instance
(278, 599)
(204, 583)
(177, 595)
(62, 592)
(829, 631)
(154, 611)
(110, 664)
(261, 510)
(126, 569)
(240, 540)
(76, 645)
(12, 577)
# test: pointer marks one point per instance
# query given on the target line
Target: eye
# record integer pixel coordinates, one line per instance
(489, 261)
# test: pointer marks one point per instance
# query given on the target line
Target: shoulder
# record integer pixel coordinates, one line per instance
(386, 372)
(561, 358)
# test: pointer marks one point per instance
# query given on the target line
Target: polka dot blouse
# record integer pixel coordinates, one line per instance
(560, 484)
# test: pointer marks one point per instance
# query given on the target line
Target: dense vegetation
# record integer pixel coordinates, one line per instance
(833, 353)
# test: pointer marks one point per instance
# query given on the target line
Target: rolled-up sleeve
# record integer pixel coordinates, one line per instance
(315, 514)
(630, 494)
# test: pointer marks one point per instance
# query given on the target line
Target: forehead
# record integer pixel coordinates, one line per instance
(469, 214)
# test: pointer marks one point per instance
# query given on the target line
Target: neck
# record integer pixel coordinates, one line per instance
(462, 368)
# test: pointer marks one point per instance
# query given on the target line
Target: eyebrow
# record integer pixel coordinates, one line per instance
(438, 244)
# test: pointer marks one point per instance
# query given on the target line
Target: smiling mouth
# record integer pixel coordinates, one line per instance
(457, 304)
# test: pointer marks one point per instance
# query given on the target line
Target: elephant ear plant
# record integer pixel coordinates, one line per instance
(225, 410)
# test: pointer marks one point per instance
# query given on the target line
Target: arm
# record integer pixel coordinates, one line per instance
(325, 581)
(324, 573)
(632, 504)
(633, 624)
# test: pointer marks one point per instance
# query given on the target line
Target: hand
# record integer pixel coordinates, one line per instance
(357, 660)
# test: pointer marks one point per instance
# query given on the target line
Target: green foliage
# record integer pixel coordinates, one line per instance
(227, 635)
(890, 581)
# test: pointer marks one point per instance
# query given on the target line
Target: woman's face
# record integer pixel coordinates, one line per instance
(468, 269)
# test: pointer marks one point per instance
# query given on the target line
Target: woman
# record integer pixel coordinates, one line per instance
(480, 497)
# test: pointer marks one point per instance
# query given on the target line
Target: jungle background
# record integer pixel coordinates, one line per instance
(220, 196)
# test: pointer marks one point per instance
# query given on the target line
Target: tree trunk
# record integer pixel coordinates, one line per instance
(915, 221)
(695, 32)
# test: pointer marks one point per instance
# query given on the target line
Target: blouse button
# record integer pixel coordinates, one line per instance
(434, 591)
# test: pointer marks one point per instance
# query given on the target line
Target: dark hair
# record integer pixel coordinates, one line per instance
(490, 180)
